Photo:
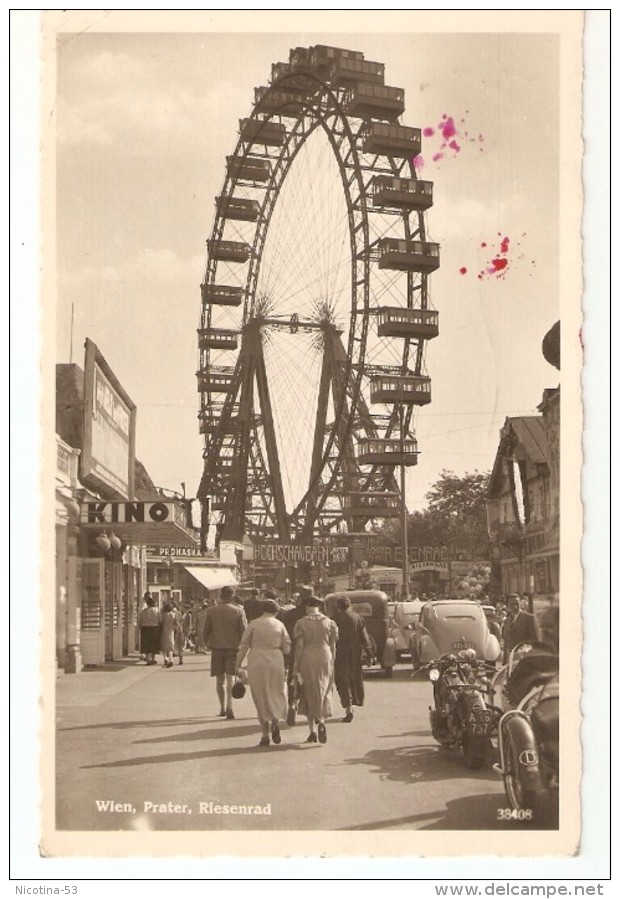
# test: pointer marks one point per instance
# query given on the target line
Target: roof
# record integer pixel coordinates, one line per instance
(530, 433)
(522, 439)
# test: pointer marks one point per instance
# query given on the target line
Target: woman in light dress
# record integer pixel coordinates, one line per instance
(315, 639)
(266, 642)
(170, 626)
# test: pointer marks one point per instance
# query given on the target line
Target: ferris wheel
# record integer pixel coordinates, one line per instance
(315, 305)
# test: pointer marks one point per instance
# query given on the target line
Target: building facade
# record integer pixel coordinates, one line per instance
(523, 502)
(107, 511)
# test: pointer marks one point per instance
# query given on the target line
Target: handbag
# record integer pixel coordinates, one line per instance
(238, 689)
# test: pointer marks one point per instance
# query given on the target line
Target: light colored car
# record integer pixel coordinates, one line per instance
(448, 626)
(404, 619)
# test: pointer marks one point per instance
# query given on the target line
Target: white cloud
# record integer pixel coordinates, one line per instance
(110, 69)
(151, 266)
(112, 101)
(78, 125)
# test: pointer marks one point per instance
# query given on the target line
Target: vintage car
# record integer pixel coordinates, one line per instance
(404, 619)
(372, 605)
(447, 626)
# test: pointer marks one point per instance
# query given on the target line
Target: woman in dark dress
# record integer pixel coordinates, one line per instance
(149, 622)
(353, 639)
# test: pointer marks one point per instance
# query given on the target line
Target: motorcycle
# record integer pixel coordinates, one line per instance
(528, 732)
(463, 717)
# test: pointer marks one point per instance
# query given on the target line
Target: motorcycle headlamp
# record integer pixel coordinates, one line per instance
(433, 674)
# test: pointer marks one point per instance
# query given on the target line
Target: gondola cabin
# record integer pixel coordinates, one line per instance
(216, 379)
(299, 60)
(345, 70)
(238, 209)
(274, 100)
(322, 58)
(248, 169)
(289, 79)
(394, 321)
(221, 294)
(229, 250)
(392, 140)
(401, 193)
(209, 424)
(223, 465)
(376, 100)
(387, 451)
(372, 504)
(408, 255)
(412, 390)
(259, 131)
(217, 339)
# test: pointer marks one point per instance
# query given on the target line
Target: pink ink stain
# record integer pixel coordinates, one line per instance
(505, 256)
(446, 140)
(418, 163)
(463, 271)
(497, 265)
(447, 128)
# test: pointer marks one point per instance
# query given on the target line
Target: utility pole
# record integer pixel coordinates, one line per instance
(403, 525)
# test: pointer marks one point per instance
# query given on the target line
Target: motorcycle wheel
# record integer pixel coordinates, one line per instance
(519, 797)
(476, 751)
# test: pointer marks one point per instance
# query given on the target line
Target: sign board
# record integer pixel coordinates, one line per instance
(179, 552)
(386, 554)
(125, 513)
(295, 553)
(430, 566)
(109, 434)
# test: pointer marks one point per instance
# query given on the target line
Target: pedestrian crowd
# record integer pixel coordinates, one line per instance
(290, 658)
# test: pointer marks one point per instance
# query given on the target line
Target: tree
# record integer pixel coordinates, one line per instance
(461, 502)
(455, 517)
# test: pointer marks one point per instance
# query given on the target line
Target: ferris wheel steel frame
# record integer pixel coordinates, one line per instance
(333, 468)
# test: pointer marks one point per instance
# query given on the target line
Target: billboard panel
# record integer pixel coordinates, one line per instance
(108, 453)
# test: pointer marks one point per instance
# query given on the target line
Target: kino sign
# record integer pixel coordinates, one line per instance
(124, 513)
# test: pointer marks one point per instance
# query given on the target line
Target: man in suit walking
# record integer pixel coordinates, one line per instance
(519, 626)
(223, 629)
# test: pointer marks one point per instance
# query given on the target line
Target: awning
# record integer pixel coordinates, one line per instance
(211, 577)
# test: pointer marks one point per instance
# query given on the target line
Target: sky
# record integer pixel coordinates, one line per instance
(144, 123)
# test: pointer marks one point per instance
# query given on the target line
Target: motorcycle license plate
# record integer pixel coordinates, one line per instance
(463, 644)
(480, 723)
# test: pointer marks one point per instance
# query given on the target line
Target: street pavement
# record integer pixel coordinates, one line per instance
(142, 748)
